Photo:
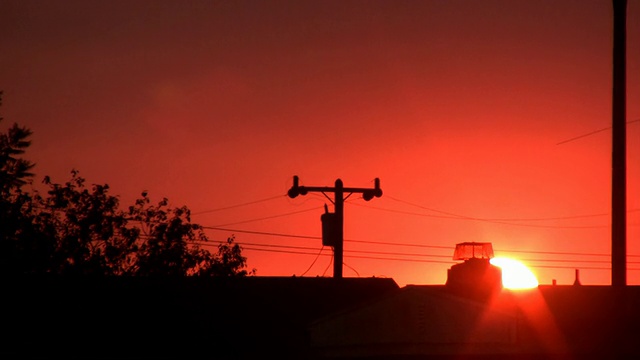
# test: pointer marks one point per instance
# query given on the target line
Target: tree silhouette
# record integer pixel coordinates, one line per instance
(17, 235)
(14, 171)
(80, 230)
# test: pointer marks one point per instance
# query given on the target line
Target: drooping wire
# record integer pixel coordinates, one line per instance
(449, 215)
(327, 268)
(237, 205)
(313, 262)
(354, 270)
(267, 217)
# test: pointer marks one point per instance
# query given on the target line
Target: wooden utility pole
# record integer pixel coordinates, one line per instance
(337, 234)
(619, 138)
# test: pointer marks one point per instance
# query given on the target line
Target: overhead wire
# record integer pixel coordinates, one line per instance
(417, 254)
(319, 237)
(328, 266)
(458, 216)
(313, 262)
(501, 222)
(427, 246)
(238, 205)
(428, 260)
(354, 270)
(267, 217)
(591, 133)
(504, 222)
(444, 214)
(404, 244)
(253, 248)
(497, 219)
(346, 250)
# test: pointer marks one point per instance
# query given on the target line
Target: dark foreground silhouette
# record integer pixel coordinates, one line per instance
(311, 318)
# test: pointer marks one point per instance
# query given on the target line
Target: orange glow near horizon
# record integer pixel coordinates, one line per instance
(515, 274)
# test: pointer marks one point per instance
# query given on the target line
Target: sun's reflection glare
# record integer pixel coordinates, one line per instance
(515, 274)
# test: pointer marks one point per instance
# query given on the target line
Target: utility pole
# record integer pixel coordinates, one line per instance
(337, 235)
(619, 172)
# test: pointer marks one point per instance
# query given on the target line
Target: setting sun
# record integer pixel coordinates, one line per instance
(515, 275)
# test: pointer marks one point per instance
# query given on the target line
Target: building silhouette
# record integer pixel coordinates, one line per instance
(471, 316)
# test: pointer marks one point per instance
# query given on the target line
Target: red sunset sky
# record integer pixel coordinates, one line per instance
(457, 106)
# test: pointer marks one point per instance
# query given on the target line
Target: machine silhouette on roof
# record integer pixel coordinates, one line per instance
(476, 276)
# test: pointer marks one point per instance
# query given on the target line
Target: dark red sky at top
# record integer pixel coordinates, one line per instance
(457, 106)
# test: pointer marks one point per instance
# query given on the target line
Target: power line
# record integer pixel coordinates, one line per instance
(313, 248)
(432, 261)
(571, 261)
(404, 244)
(314, 253)
(453, 215)
(238, 205)
(450, 215)
(555, 253)
(418, 255)
(591, 133)
(268, 217)
(262, 233)
(328, 265)
(313, 262)
(352, 251)
(425, 260)
(501, 222)
(243, 244)
(354, 270)
(445, 215)
(320, 238)
(559, 253)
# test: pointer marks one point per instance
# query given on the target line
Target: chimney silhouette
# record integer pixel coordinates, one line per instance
(577, 280)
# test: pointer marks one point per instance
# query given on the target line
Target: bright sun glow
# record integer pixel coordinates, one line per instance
(515, 275)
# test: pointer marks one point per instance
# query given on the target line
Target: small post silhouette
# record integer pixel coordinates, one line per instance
(338, 190)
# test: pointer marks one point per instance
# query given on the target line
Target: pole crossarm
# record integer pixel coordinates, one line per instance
(367, 193)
